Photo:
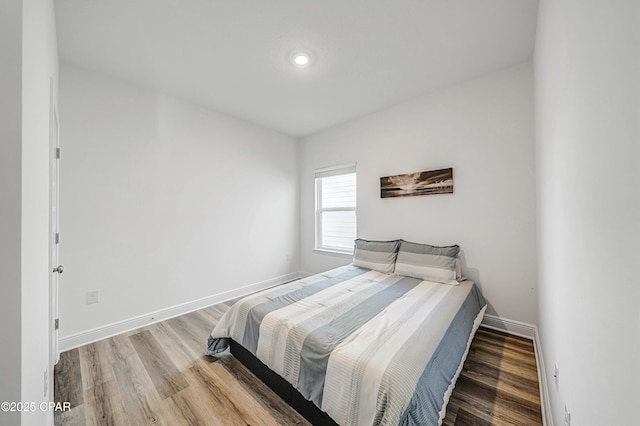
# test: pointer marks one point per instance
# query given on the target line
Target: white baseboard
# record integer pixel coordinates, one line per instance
(545, 402)
(516, 328)
(527, 331)
(89, 336)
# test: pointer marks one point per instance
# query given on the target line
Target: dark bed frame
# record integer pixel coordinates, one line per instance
(281, 387)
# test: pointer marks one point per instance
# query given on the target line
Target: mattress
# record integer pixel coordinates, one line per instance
(365, 347)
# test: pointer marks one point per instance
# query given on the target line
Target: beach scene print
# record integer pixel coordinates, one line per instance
(418, 183)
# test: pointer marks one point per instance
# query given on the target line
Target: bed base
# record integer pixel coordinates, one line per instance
(281, 387)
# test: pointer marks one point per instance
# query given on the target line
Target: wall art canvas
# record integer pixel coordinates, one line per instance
(418, 183)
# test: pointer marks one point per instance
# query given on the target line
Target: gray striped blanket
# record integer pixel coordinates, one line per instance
(367, 348)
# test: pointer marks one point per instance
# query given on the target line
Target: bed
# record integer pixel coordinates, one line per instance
(360, 345)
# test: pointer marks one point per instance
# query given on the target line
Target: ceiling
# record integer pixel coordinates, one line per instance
(235, 56)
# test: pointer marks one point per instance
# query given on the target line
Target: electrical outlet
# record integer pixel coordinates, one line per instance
(93, 297)
(556, 376)
(567, 415)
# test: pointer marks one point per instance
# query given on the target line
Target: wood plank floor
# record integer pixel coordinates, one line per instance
(498, 384)
(158, 375)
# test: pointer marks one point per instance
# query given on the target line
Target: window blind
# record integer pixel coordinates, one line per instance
(336, 208)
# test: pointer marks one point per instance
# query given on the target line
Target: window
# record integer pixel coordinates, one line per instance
(336, 208)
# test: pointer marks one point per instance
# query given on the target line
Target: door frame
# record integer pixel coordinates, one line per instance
(54, 227)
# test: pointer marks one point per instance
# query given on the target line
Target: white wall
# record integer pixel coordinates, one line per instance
(588, 136)
(40, 67)
(10, 207)
(164, 202)
(484, 130)
(29, 61)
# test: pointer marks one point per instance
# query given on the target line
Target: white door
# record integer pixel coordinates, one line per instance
(55, 268)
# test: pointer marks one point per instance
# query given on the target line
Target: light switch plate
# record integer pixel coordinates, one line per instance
(93, 297)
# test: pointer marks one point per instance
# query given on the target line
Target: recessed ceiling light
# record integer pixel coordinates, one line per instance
(301, 59)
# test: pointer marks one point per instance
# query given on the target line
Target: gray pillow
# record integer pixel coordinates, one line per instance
(427, 262)
(376, 255)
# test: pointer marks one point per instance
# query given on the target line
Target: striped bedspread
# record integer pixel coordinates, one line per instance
(367, 348)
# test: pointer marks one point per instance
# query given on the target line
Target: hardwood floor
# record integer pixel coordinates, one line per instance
(158, 375)
(498, 384)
